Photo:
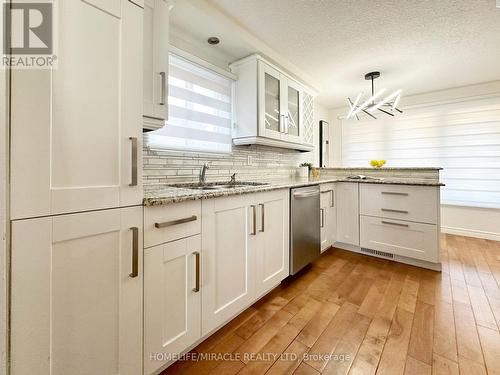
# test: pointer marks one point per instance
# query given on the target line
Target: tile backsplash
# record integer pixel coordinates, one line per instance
(161, 167)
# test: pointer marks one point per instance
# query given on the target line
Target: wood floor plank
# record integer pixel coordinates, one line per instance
(370, 305)
(415, 367)
(260, 338)
(445, 341)
(331, 336)
(490, 342)
(443, 366)
(305, 369)
(481, 308)
(369, 353)
(396, 347)
(347, 348)
(467, 367)
(422, 331)
(265, 313)
(408, 298)
(468, 344)
(291, 359)
(224, 332)
(270, 352)
(318, 323)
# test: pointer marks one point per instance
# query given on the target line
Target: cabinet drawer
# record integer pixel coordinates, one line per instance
(412, 240)
(413, 203)
(171, 222)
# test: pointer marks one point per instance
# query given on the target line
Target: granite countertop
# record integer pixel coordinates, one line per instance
(165, 194)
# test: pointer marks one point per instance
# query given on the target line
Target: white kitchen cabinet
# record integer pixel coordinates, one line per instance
(410, 203)
(269, 106)
(229, 231)
(347, 201)
(77, 294)
(245, 252)
(328, 211)
(272, 245)
(155, 79)
(398, 237)
(172, 300)
(78, 146)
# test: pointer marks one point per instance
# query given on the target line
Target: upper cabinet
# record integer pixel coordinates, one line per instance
(270, 107)
(76, 130)
(155, 83)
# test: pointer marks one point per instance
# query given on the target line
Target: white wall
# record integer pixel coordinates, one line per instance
(466, 221)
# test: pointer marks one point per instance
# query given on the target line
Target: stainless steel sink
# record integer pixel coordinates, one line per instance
(204, 187)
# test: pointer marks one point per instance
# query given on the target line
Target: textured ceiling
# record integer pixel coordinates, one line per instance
(418, 45)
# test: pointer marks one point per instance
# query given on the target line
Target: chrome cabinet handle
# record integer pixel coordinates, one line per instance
(326, 191)
(397, 224)
(196, 288)
(254, 219)
(391, 210)
(282, 124)
(286, 125)
(394, 193)
(163, 76)
(176, 222)
(134, 161)
(135, 252)
(263, 208)
(322, 210)
(332, 201)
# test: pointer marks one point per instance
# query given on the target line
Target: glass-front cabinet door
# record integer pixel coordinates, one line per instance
(271, 104)
(280, 105)
(293, 114)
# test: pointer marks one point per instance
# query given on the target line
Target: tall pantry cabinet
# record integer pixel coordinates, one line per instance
(76, 196)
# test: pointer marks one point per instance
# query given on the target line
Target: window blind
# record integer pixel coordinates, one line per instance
(462, 137)
(199, 105)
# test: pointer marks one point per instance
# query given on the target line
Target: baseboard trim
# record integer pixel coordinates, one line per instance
(471, 233)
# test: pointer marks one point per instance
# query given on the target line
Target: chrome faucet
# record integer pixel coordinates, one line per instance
(233, 179)
(203, 173)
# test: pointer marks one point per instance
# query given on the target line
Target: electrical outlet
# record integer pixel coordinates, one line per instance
(250, 160)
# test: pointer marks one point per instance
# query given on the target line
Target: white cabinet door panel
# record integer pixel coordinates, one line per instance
(74, 272)
(347, 202)
(228, 258)
(411, 203)
(172, 306)
(70, 151)
(155, 55)
(412, 240)
(272, 247)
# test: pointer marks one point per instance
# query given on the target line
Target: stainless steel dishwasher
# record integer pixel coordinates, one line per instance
(305, 231)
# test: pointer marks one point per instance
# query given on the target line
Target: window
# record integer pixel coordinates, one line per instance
(462, 137)
(199, 105)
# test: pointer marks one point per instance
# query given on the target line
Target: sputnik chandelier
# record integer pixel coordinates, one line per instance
(389, 105)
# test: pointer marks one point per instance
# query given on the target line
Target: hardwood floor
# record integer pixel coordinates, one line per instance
(356, 314)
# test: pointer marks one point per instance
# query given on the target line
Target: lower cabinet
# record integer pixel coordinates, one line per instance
(272, 246)
(328, 211)
(76, 304)
(245, 252)
(347, 195)
(404, 238)
(172, 300)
